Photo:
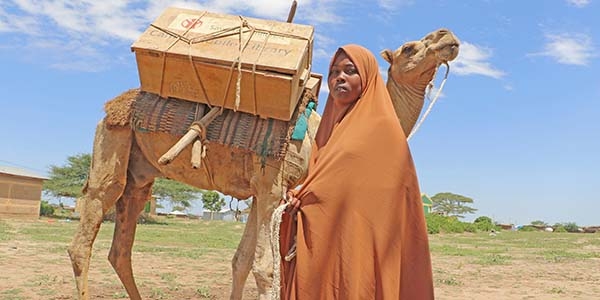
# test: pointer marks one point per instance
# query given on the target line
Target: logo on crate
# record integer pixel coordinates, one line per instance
(188, 22)
(191, 23)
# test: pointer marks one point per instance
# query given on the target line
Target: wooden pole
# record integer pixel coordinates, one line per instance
(197, 154)
(190, 136)
(292, 11)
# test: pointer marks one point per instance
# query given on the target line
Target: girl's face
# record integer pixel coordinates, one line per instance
(344, 81)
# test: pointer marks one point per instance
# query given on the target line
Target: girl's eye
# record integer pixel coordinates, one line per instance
(352, 71)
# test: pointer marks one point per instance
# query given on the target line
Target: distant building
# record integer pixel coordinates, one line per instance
(20, 193)
(225, 214)
(427, 204)
(178, 214)
(507, 226)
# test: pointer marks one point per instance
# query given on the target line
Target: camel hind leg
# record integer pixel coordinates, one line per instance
(128, 209)
(105, 184)
(140, 178)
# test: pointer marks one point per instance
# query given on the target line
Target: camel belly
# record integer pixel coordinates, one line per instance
(225, 169)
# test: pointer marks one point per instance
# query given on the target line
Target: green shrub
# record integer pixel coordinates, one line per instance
(438, 223)
(483, 219)
(468, 227)
(146, 218)
(484, 223)
(571, 227)
(433, 223)
(528, 228)
(143, 218)
(46, 209)
(560, 228)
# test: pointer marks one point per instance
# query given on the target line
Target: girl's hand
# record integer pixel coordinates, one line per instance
(294, 203)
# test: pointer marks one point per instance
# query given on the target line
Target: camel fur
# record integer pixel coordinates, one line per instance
(412, 68)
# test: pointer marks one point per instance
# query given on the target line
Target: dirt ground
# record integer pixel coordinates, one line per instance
(41, 270)
(455, 279)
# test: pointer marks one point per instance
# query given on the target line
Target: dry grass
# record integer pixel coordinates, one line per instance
(191, 260)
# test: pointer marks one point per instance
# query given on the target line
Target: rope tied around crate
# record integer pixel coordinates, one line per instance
(244, 27)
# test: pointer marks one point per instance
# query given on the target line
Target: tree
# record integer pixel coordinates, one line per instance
(449, 204)
(177, 193)
(483, 219)
(68, 180)
(484, 223)
(212, 201)
(571, 227)
(539, 223)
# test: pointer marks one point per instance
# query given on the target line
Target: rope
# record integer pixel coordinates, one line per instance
(236, 30)
(191, 59)
(277, 216)
(276, 219)
(238, 88)
(430, 104)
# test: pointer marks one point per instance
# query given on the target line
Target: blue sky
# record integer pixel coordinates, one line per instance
(516, 127)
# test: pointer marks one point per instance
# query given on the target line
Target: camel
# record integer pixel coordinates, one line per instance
(125, 164)
(412, 68)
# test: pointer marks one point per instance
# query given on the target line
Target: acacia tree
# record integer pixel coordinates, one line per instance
(449, 204)
(68, 181)
(212, 201)
(539, 223)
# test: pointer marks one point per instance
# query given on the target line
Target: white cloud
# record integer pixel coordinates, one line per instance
(100, 24)
(568, 49)
(321, 53)
(277, 10)
(72, 55)
(323, 46)
(21, 24)
(392, 5)
(473, 60)
(324, 86)
(319, 11)
(578, 3)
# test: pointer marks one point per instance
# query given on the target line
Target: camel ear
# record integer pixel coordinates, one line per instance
(388, 55)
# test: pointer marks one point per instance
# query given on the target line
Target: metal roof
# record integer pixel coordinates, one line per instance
(20, 172)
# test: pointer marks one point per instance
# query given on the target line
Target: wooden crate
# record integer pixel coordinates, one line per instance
(190, 54)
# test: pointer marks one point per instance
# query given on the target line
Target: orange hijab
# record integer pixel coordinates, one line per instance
(361, 231)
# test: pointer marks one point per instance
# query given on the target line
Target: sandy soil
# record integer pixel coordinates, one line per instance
(456, 278)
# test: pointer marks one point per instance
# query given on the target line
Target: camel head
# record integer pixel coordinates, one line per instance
(413, 67)
(416, 61)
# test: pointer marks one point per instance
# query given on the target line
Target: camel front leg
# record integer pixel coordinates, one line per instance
(80, 250)
(262, 269)
(104, 186)
(244, 255)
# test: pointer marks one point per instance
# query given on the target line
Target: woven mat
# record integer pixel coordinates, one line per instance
(265, 137)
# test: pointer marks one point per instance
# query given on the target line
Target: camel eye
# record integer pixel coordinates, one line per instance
(407, 50)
